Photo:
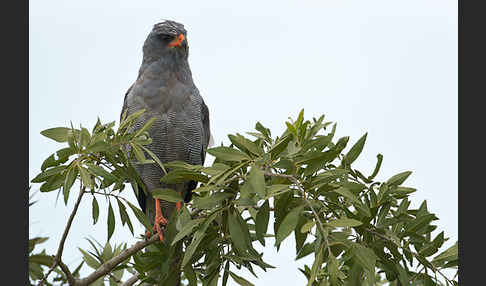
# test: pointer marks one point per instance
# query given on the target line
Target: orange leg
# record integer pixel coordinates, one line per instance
(159, 220)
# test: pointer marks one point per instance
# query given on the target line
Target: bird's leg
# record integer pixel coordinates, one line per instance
(159, 220)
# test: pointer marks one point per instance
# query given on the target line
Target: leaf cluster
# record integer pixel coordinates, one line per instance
(359, 231)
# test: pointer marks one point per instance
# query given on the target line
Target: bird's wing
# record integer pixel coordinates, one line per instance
(125, 101)
(141, 197)
(206, 131)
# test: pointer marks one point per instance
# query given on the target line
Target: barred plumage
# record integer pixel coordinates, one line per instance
(165, 88)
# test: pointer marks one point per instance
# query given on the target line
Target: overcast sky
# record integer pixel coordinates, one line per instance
(388, 68)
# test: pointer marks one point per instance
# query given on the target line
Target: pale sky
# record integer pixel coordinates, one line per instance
(388, 68)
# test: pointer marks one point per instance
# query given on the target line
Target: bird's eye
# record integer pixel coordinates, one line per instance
(165, 37)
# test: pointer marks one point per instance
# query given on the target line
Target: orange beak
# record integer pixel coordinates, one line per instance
(177, 41)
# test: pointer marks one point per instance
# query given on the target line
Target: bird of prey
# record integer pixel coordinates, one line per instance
(165, 89)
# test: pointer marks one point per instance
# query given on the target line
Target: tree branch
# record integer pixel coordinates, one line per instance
(57, 258)
(69, 275)
(112, 263)
(132, 280)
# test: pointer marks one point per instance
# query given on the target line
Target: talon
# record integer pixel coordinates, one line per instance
(159, 220)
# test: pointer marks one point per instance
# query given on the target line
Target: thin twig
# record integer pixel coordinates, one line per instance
(69, 275)
(113, 262)
(301, 189)
(411, 252)
(132, 280)
(117, 281)
(57, 258)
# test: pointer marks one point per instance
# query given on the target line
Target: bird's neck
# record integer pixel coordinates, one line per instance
(174, 62)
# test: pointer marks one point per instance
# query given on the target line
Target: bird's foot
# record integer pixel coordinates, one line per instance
(159, 221)
(178, 206)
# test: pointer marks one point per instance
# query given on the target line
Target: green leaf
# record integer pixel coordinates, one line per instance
(125, 122)
(316, 265)
(210, 201)
(187, 229)
(291, 128)
(95, 210)
(180, 175)
(334, 272)
(307, 227)
(62, 154)
(71, 175)
(365, 257)
(226, 274)
(279, 146)
(299, 236)
(228, 154)
(100, 171)
(344, 222)
(240, 280)
(215, 169)
(99, 146)
(139, 155)
(262, 219)
(265, 131)
(59, 134)
(288, 224)
(107, 252)
(346, 193)
(362, 208)
(53, 183)
(90, 260)
(85, 136)
(155, 158)
(276, 189)
(111, 221)
(256, 181)
(124, 215)
(449, 254)
(377, 167)
(168, 195)
(399, 178)
(190, 275)
(36, 240)
(42, 259)
(402, 275)
(85, 177)
(419, 222)
(47, 174)
(237, 235)
(354, 275)
(196, 239)
(307, 249)
(146, 127)
(354, 152)
(243, 143)
(142, 218)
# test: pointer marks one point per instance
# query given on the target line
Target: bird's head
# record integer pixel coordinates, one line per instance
(167, 39)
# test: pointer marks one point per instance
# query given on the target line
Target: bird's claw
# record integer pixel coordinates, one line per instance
(159, 221)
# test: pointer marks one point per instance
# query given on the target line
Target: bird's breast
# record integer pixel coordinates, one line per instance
(162, 91)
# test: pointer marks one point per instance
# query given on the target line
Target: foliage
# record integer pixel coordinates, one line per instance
(359, 231)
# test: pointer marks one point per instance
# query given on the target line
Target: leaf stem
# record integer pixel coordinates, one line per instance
(302, 191)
